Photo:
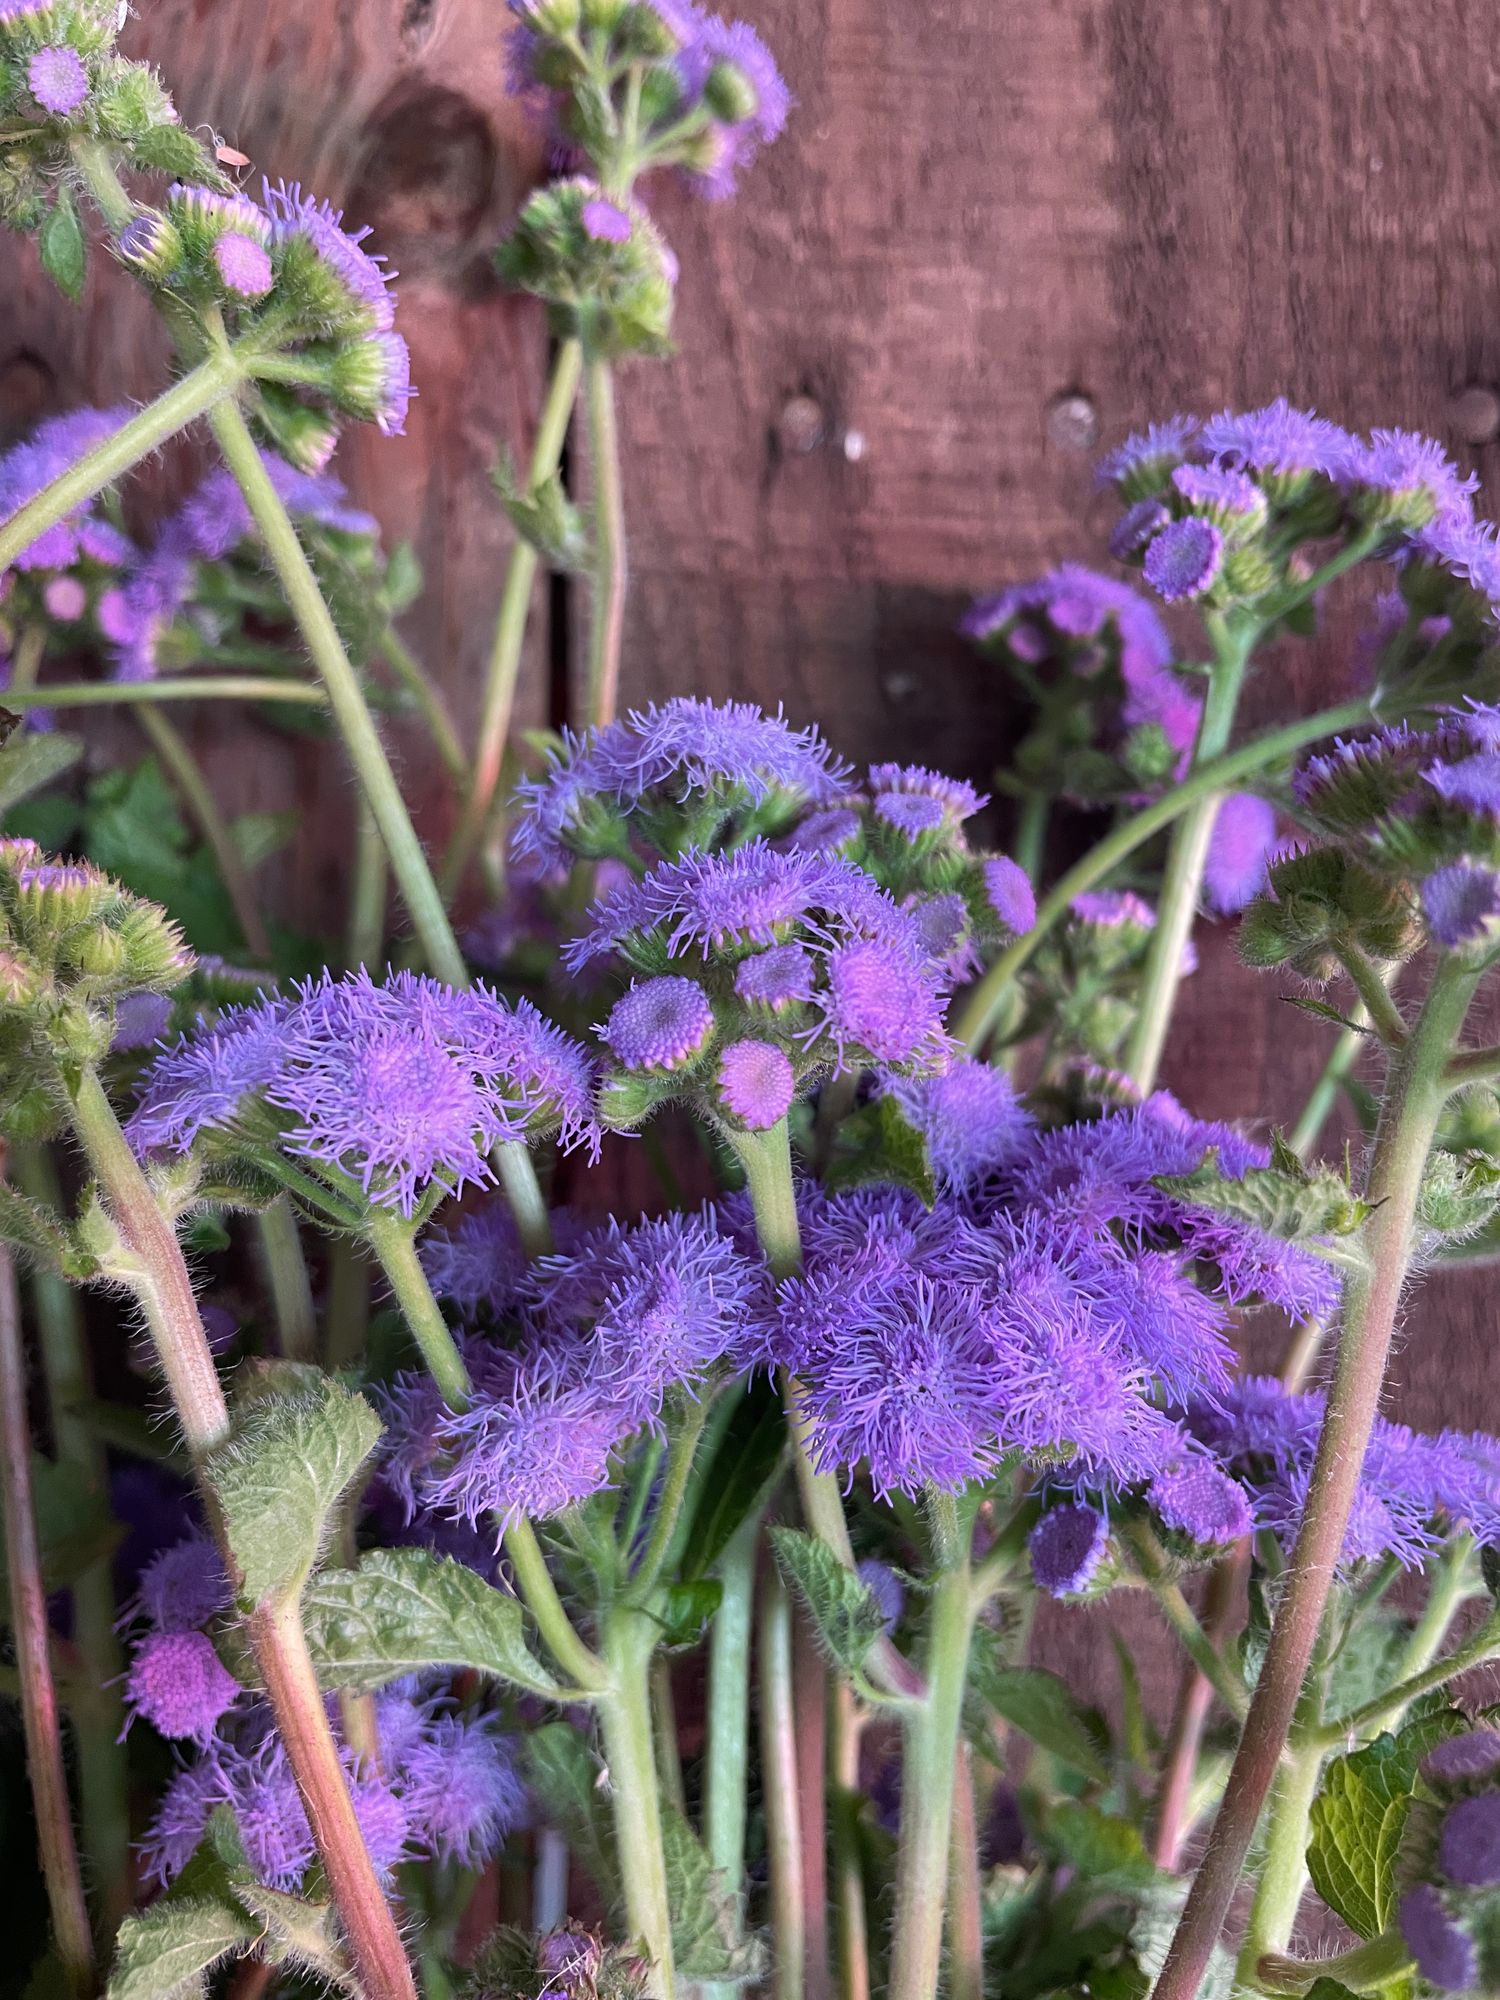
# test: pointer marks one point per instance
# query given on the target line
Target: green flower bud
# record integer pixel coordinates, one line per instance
(304, 435)
(600, 264)
(96, 953)
(730, 94)
(129, 101)
(150, 244)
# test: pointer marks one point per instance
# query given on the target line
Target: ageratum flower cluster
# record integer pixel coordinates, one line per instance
(601, 1336)
(705, 93)
(1405, 832)
(1054, 1307)
(399, 1089)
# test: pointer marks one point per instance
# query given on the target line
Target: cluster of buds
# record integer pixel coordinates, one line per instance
(1450, 1915)
(633, 85)
(306, 301)
(1083, 983)
(61, 79)
(601, 265)
(73, 945)
(566, 1964)
(1112, 716)
(1407, 823)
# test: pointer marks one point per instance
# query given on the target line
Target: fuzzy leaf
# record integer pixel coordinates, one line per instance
(298, 1932)
(707, 1926)
(74, 1526)
(1355, 1829)
(687, 1608)
(1459, 1194)
(404, 1610)
(166, 1952)
(845, 1611)
(1330, 1989)
(279, 1477)
(737, 1477)
(1044, 1708)
(1285, 1199)
(1108, 1852)
(29, 1226)
(403, 579)
(64, 247)
(30, 763)
(569, 1785)
(877, 1144)
(544, 516)
(169, 149)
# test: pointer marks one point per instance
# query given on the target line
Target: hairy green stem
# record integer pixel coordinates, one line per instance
(523, 1191)
(1283, 1869)
(927, 1769)
(346, 698)
(727, 1723)
(157, 1275)
(1449, 1587)
(428, 700)
(988, 997)
(1028, 844)
(1371, 982)
(607, 610)
(173, 687)
(364, 942)
(287, 1281)
(98, 1718)
(41, 1719)
(510, 628)
(195, 395)
(1365, 1968)
(681, 1452)
(965, 1889)
(183, 769)
(1384, 1709)
(1408, 1121)
(1200, 1648)
(778, 1763)
(625, 1723)
(1178, 903)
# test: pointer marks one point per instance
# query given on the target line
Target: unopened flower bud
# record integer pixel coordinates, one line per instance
(729, 93)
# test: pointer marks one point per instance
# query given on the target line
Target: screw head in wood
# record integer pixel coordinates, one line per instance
(1474, 413)
(801, 427)
(1073, 421)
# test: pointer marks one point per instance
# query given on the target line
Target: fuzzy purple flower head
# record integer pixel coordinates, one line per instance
(57, 80)
(365, 282)
(178, 1684)
(1445, 1955)
(659, 1024)
(1184, 560)
(1141, 465)
(185, 1586)
(756, 1083)
(1461, 903)
(1243, 838)
(1281, 445)
(1066, 1547)
(970, 1118)
(1010, 893)
(461, 1790)
(243, 265)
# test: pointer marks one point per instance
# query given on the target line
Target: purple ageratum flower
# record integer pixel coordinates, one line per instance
(1469, 1844)
(710, 44)
(243, 265)
(57, 80)
(668, 754)
(215, 518)
(944, 926)
(825, 832)
(181, 1820)
(659, 1024)
(1467, 549)
(268, 1811)
(756, 1083)
(895, 1372)
(882, 999)
(1474, 1756)
(1460, 902)
(969, 1116)
(141, 1019)
(1445, 1955)
(779, 977)
(885, 1587)
(1184, 559)
(390, 362)
(1145, 459)
(184, 1586)
(477, 1263)
(1136, 527)
(1406, 466)
(1472, 783)
(363, 276)
(911, 816)
(461, 1790)
(66, 599)
(1278, 440)
(1194, 1497)
(202, 1080)
(876, 1224)
(1231, 500)
(605, 221)
(1243, 837)
(179, 1685)
(1009, 893)
(1066, 1547)
(903, 795)
(382, 1820)
(52, 449)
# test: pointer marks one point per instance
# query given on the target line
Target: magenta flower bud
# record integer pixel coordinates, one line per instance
(659, 1023)
(605, 222)
(243, 265)
(66, 599)
(149, 243)
(178, 1683)
(756, 1083)
(1008, 890)
(57, 80)
(1184, 559)
(1067, 1546)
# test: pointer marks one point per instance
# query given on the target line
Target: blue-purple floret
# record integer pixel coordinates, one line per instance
(970, 1118)
(670, 754)
(396, 1084)
(1155, 449)
(476, 1263)
(1277, 439)
(1067, 1547)
(1445, 1954)
(1461, 903)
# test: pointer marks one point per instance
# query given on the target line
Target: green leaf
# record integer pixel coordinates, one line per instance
(1108, 1852)
(168, 149)
(259, 835)
(544, 516)
(1285, 1199)
(568, 1783)
(279, 1478)
(29, 763)
(737, 1477)
(404, 1610)
(1330, 1989)
(877, 1144)
(1459, 1194)
(687, 1608)
(74, 1526)
(64, 247)
(707, 1926)
(1043, 1708)
(298, 1932)
(167, 1952)
(845, 1611)
(403, 579)
(31, 1226)
(1355, 1830)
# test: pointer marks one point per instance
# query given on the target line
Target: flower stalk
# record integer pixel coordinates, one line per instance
(1414, 1099)
(607, 602)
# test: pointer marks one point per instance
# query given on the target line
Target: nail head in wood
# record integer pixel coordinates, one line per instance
(801, 427)
(1474, 413)
(1073, 421)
